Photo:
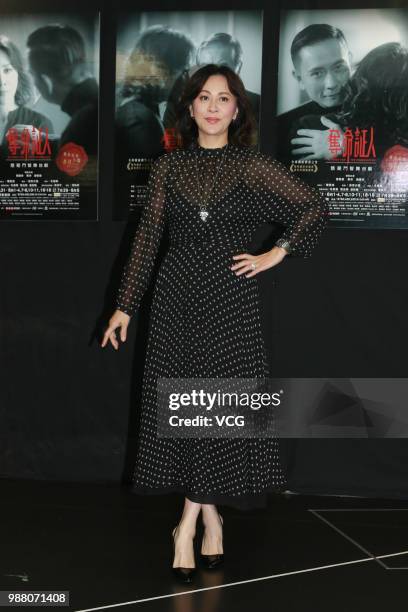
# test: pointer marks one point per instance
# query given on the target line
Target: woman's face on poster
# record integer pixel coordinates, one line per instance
(215, 106)
(8, 81)
(323, 69)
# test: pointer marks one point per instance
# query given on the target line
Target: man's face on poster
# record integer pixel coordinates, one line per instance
(322, 70)
(41, 82)
(217, 53)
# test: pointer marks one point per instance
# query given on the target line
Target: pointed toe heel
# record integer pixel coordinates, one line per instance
(183, 574)
(213, 561)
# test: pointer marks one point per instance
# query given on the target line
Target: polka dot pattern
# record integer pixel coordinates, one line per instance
(205, 320)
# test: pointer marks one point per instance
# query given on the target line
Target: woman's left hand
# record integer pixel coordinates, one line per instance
(262, 262)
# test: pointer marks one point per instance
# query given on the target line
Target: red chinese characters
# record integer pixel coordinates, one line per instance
(352, 145)
(170, 139)
(28, 142)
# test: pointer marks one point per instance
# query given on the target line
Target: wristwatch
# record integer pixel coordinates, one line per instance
(281, 242)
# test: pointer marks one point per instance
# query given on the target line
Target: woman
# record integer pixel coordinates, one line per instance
(212, 194)
(377, 97)
(15, 93)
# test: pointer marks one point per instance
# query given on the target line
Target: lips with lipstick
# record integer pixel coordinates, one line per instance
(212, 119)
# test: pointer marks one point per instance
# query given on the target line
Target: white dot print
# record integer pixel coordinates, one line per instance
(204, 320)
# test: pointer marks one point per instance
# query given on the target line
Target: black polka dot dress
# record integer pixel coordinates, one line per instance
(204, 319)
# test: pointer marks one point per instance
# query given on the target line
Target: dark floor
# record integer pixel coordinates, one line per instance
(112, 551)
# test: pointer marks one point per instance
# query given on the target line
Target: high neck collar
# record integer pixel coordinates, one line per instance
(212, 150)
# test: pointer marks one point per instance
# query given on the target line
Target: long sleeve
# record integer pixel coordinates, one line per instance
(286, 199)
(145, 244)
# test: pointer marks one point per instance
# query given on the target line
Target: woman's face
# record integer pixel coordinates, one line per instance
(8, 81)
(215, 106)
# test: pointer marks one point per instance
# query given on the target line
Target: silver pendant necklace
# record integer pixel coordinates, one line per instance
(203, 206)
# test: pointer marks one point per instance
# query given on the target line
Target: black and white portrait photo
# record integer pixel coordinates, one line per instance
(49, 99)
(342, 110)
(156, 53)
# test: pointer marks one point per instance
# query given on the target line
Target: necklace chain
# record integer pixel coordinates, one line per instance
(203, 206)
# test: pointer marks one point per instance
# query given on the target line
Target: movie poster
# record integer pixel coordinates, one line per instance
(49, 98)
(156, 52)
(342, 110)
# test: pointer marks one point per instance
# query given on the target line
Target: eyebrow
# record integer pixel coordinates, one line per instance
(220, 92)
(342, 61)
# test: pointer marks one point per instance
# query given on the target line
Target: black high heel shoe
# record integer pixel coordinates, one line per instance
(183, 574)
(213, 561)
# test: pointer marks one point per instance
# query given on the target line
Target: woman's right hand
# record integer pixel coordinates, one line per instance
(118, 319)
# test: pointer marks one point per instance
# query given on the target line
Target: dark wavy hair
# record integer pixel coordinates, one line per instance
(377, 94)
(24, 90)
(242, 131)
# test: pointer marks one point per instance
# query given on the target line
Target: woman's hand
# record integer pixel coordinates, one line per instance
(118, 319)
(263, 262)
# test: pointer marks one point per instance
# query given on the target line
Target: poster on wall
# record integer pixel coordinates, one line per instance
(155, 54)
(342, 110)
(49, 100)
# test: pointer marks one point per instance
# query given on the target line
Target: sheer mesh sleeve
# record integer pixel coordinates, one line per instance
(145, 244)
(288, 200)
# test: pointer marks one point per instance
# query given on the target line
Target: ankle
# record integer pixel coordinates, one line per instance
(212, 521)
(187, 526)
(212, 544)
